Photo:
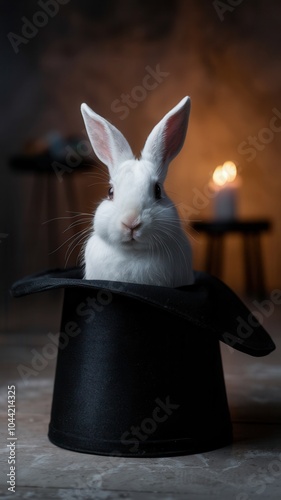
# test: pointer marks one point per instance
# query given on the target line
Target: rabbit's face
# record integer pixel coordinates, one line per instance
(137, 213)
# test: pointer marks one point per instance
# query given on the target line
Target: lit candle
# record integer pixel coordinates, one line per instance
(226, 184)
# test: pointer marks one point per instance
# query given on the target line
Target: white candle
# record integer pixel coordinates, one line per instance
(226, 185)
(225, 203)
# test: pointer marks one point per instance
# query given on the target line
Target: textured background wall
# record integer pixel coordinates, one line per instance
(225, 58)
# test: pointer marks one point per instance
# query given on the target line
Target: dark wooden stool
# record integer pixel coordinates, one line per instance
(45, 195)
(251, 231)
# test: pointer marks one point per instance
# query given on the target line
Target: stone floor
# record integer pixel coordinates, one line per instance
(250, 468)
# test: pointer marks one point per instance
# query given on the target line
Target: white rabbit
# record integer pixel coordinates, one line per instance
(137, 234)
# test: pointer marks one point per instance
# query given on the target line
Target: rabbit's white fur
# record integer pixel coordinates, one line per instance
(137, 237)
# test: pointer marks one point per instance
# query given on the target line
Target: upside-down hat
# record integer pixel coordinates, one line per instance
(139, 369)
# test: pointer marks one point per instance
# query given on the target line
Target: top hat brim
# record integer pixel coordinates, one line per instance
(208, 304)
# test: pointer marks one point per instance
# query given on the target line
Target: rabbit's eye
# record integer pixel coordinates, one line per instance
(110, 193)
(157, 191)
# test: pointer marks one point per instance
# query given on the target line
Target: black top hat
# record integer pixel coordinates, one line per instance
(139, 370)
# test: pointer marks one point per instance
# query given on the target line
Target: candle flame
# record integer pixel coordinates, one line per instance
(225, 173)
(230, 168)
(219, 176)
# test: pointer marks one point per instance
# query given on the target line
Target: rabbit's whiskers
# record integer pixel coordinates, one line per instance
(78, 219)
(77, 240)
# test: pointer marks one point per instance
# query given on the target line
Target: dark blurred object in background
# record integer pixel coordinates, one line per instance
(104, 53)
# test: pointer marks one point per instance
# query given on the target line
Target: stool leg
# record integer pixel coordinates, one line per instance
(209, 255)
(34, 211)
(72, 203)
(259, 269)
(70, 193)
(52, 214)
(249, 264)
(214, 255)
(218, 261)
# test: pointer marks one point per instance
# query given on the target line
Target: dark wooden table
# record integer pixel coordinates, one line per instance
(250, 231)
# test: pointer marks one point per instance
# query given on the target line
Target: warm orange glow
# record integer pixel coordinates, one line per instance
(219, 176)
(230, 168)
(225, 173)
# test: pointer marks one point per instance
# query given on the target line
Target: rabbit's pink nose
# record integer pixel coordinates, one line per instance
(131, 223)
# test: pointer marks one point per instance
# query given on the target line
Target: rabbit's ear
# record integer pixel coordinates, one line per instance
(107, 141)
(166, 139)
